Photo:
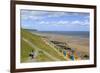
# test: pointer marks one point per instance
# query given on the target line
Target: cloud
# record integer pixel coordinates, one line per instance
(32, 15)
(38, 15)
(76, 22)
(61, 22)
(64, 23)
(83, 23)
(44, 22)
(87, 17)
(33, 12)
(54, 20)
(56, 14)
(59, 14)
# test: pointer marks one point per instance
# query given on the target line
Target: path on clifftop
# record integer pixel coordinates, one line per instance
(36, 48)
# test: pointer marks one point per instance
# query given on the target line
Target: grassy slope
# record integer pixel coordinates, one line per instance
(25, 49)
(36, 40)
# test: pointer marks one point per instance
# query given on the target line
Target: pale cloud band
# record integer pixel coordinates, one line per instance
(36, 19)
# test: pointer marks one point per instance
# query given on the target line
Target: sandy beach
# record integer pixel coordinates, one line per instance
(81, 44)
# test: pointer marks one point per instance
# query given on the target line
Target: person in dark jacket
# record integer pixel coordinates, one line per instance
(31, 54)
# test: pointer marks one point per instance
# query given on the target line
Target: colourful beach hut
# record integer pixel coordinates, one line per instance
(64, 52)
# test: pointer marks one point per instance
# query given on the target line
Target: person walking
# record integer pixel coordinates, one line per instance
(31, 54)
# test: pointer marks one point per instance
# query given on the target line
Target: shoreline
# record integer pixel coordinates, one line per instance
(80, 44)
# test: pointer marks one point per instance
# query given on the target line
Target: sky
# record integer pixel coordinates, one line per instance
(54, 20)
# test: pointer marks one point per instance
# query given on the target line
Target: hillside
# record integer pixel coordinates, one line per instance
(43, 51)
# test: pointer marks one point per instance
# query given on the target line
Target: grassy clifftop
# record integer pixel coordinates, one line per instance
(34, 42)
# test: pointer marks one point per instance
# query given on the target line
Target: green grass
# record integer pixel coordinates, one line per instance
(36, 40)
(42, 57)
(25, 49)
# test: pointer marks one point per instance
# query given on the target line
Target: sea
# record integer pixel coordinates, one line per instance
(66, 33)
